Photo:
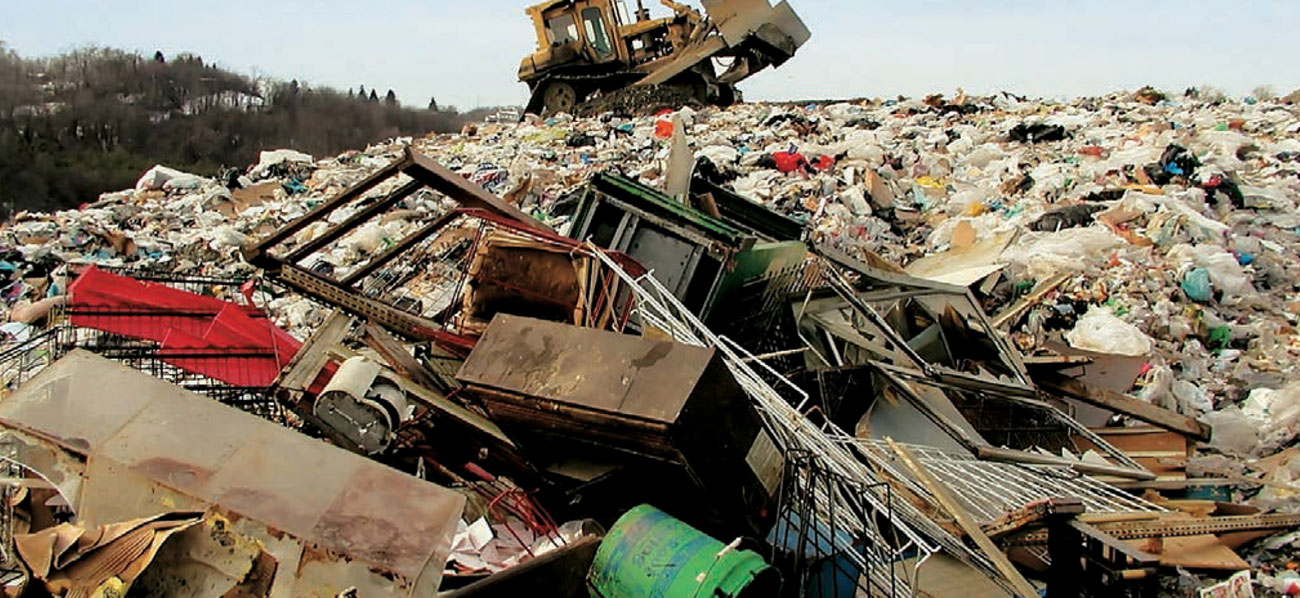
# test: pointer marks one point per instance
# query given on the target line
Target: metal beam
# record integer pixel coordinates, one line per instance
(1173, 528)
(351, 301)
(1124, 404)
(361, 217)
(989, 453)
(256, 252)
(455, 186)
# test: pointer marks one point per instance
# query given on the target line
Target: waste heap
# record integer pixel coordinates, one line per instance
(983, 345)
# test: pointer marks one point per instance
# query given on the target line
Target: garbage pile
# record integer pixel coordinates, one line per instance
(982, 345)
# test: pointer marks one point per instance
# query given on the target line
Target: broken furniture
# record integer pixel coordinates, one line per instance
(719, 268)
(487, 256)
(423, 172)
(551, 385)
(926, 367)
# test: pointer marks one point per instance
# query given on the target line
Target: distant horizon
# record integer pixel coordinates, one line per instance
(948, 94)
(466, 54)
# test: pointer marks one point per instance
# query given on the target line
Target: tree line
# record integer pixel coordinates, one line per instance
(93, 120)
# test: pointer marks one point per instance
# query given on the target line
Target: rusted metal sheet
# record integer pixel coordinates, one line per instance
(150, 447)
(613, 374)
(566, 386)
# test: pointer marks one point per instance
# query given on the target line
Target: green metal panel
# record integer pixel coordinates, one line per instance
(663, 206)
(756, 263)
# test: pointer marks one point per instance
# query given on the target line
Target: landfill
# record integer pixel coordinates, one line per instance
(917, 347)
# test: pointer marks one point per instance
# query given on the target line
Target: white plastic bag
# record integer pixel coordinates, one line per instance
(1101, 332)
(1070, 250)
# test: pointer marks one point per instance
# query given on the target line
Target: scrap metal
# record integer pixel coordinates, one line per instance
(120, 444)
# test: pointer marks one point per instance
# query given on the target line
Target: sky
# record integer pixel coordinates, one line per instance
(466, 53)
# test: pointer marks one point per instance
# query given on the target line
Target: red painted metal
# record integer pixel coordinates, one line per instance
(218, 339)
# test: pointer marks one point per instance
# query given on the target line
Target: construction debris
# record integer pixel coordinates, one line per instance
(565, 352)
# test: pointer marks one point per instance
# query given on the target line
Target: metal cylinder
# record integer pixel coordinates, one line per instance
(362, 406)
(649, 553)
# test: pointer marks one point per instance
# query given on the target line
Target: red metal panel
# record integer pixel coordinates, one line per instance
(243, 367)
(221, 340)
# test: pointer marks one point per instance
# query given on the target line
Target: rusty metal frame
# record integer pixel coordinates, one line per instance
(424, 171)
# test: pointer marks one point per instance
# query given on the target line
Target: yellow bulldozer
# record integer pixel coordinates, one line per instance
(594, 48)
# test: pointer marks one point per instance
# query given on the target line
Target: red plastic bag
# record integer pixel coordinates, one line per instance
(788, 162)
(663, 129)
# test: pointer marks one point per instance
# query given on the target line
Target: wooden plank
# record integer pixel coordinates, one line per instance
(949, 503)
(440, 404)
(395, 354)
(1029, 300)
(1057, 361)
(1161, 451)
(1124, 404)
(311, 358)
(1194, 552)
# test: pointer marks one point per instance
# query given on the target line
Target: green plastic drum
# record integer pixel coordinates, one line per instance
(649, 554)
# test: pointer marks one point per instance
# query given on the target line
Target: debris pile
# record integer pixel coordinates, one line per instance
(981, 345)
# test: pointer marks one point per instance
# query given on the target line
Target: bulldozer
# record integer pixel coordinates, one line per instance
(593, 48)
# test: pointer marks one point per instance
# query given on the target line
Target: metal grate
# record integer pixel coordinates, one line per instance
(147, 357)
(899, 532)
(991, 489)
(826, 548)
(25, 359)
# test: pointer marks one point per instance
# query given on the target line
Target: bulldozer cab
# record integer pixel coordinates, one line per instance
(569, 28)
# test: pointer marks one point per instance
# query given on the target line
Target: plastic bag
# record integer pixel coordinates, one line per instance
(1275, 413)
(1072, 250)
(272, 158)
(1232, 432)
(1197, 286)
(161, 177)
(1192, 399)
(1101, 332)
(1222, 267)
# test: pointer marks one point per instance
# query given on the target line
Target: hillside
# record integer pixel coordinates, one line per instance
(92, 120)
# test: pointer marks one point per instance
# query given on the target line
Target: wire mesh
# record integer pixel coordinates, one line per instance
(900, 532)
(25, 358)
(990, 489)
(68, 331)
(820, 552)
(151, 359)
